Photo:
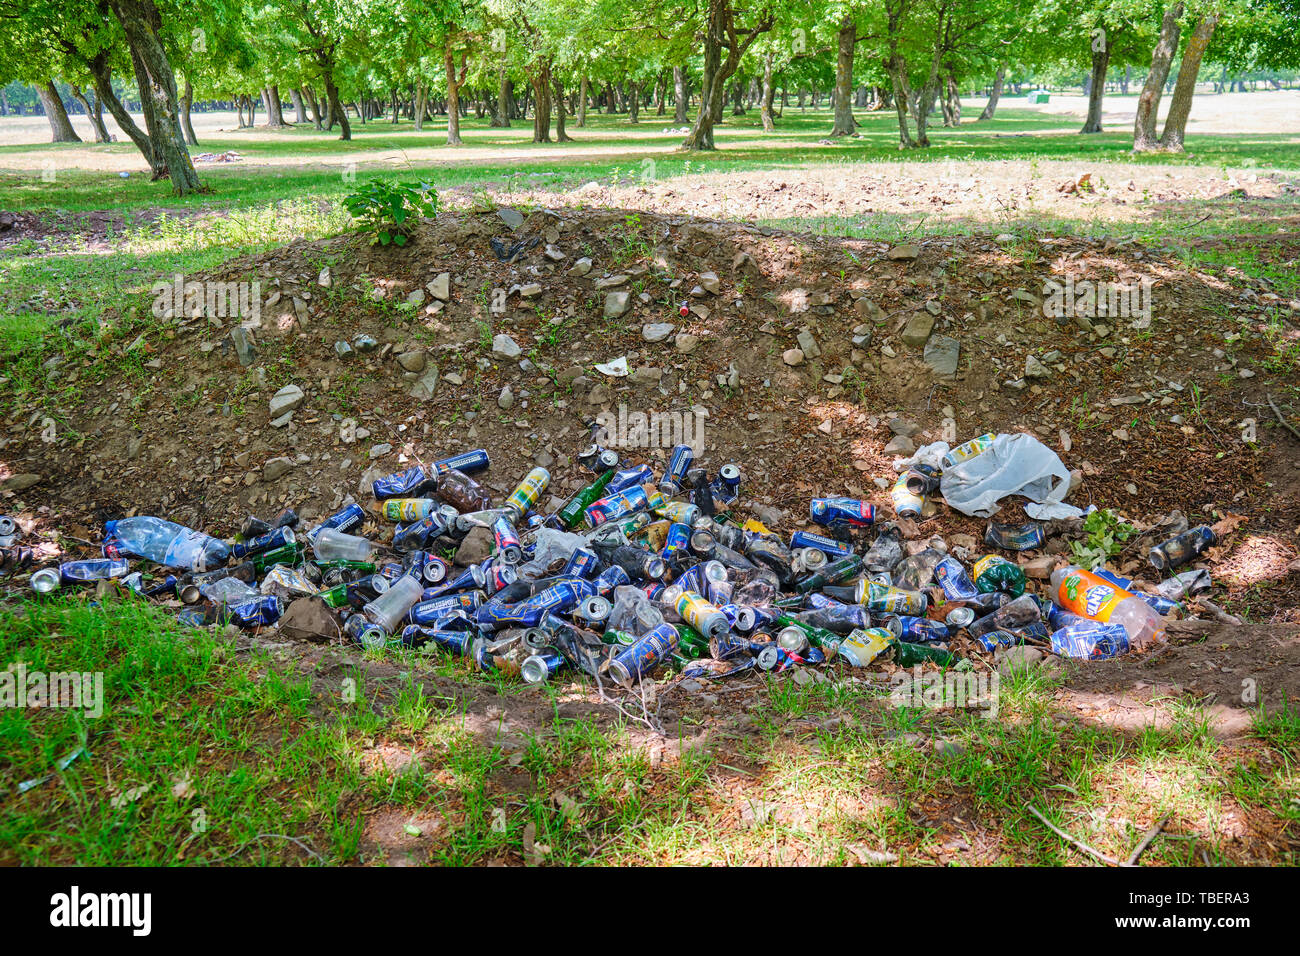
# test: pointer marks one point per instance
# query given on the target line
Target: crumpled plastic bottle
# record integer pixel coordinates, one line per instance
(165, 542)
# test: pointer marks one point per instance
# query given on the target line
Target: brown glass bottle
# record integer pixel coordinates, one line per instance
(462, 492)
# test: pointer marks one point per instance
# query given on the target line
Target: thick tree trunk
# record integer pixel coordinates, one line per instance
(1144, 126)
(60, 126)
(848, 38)
(336, 110)
(1097, 90)
(711, 80)
(187, 126)
(274, 114)
(583, 88)
(661, 94)
(299, 107)
(634, 103)
(1180, 105)
(142, 25)
(765, 109)
(541, 83)
(679, 95)
(502, 118)
(560, 135)
(991, 106)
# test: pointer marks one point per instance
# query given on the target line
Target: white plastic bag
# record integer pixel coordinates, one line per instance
(1011, 465)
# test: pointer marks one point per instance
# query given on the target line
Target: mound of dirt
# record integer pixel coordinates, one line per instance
(803, 358)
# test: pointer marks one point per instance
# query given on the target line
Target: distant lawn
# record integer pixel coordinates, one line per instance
(380, 147)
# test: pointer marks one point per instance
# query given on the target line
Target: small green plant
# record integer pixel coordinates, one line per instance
(386, 210)
(1107, 533)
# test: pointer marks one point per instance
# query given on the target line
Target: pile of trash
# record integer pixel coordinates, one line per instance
(633, 572)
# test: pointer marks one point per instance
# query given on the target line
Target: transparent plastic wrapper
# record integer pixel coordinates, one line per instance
(633, 612)
(552, 545)
(1010, 465)
(229, 591)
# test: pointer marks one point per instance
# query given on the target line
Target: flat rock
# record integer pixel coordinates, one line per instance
(656, 331)
(792, 356)
(413, 361)
(277, 468)
(905, 252)
(286, 400)
(941, 354)
(426, 384)
(686, 342)
(440, 287)
(505, 346)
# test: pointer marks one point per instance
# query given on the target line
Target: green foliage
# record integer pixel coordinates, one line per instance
(387, 210)
(1107, 533)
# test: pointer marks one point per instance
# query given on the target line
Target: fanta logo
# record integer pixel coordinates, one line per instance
(1072, 586)
(1097, 596)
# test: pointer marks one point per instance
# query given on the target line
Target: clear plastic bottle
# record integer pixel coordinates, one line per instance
(168, 543)
(389, 608)
(1097, 599)
(334, 545)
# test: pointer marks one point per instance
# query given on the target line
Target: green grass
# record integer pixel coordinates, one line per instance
(206, 755)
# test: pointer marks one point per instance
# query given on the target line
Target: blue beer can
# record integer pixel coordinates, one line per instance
(467, 462)
(829, 512)
(807, 539)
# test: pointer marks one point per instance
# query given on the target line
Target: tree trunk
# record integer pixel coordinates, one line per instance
(102, 79)
(187, 126)
(661, 94)
(951, 102)
(991, 106)
(848, 38)
(1100, 63)
(271, 99)
(634, 103)
(769, 91)
(94, 112)
(711, 80)
(60, 126)
(336, 110)
(142, 24)
(1180, 106)
(502, 118)
(1144, 126)
(417, 111)
(679, 95)
(541, 83)
(453, 93)
(299, 107)
(583, 87)
(560, 135)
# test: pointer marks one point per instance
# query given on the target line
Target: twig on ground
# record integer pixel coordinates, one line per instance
(1285, 424)
(1146, 840)
(1219, 613)
(1096, 854)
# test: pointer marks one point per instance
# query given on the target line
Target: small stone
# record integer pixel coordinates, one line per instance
(286, 400)
(942, 354)
(808, 345)
(506, 398)
(905, 252)
(617, 304)
(426, 384)
(245, 350)
(900, 445)
(581, 267)
(917, 330)
(506, 347)
(412, 361)
(324, 280)
(380, 450)
(440, 287)
(1036, 369)
(530, 291)
(792, 357)
(276, 468)
(686, 342)
(656, 331)
(511, 217)
(709, 282)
